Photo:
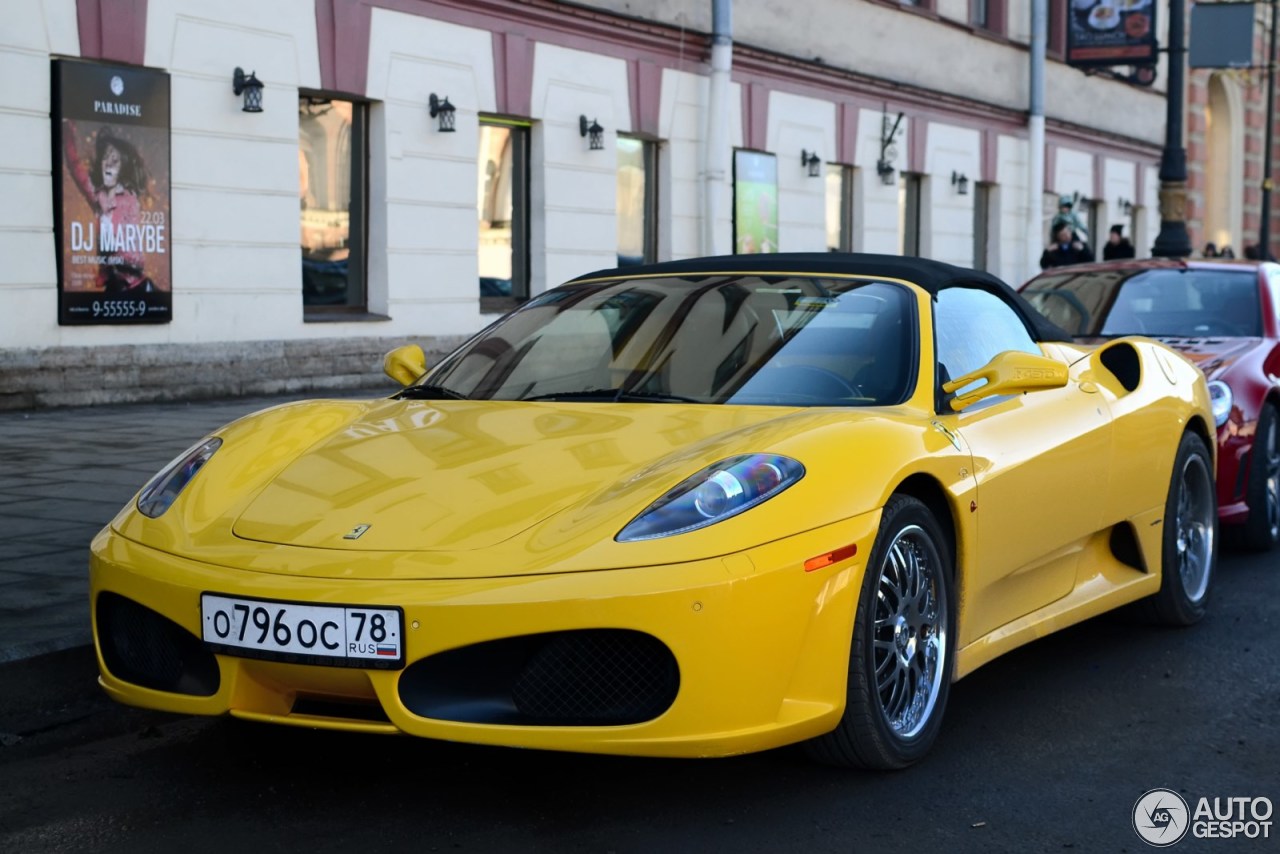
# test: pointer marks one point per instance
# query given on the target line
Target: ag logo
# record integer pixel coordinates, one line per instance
(356, 532)
(1161, 818)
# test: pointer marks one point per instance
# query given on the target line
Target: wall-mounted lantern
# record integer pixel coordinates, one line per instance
(593, 130)
(812, 162)
(961, 182)
(443, 111)
(250, 86)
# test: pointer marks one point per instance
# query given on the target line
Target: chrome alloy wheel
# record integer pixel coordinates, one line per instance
(910, 631)
(1268, 446)
(1195, 527)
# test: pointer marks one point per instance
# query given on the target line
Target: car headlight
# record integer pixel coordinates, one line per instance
(164, 488)
(1220, 400)
(714, 494)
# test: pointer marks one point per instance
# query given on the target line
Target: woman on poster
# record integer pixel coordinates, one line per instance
(113, 185)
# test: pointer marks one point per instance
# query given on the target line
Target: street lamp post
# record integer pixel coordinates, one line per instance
(1264, 224)
(1173, 240)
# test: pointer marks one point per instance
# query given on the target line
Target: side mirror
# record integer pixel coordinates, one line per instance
(405, 364)
(1011, 372)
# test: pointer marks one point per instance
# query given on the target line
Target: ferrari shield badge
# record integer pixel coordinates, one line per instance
(356, 532)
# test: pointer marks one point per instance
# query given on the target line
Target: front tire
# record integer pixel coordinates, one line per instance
(900, 661)
(1189, 554)
(1262, 528)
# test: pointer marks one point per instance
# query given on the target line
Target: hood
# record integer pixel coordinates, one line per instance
(463, 475)
(1212, 355)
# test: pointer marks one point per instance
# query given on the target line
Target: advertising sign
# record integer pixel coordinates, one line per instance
(1111, 32)
(755, 202)
(111, 193)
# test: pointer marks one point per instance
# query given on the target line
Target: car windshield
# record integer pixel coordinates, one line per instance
(1167, 302)
(785, 340)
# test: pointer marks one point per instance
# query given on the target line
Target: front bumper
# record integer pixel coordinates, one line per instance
(761, 645)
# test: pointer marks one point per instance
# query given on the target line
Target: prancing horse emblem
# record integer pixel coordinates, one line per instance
(356, 532)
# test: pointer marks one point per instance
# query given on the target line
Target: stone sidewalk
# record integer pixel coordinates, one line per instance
(64, 473)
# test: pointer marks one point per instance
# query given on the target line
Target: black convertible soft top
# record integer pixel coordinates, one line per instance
(932, 276)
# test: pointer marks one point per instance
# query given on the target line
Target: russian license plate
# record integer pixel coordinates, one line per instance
(303, 633)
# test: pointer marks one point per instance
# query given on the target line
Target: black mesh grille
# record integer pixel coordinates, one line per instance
(598, 677)
(140, 646)
(589, 677)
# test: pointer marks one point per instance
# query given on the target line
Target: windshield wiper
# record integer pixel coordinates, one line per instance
(612, 394)
(430, 392)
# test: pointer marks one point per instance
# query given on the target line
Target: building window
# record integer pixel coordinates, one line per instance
(637, 201)
(1094, 238)
(503, 208)
(1057, 35)
(839, 208)
(910, 196)
(988, 15)
(332, 188)
(982, 227)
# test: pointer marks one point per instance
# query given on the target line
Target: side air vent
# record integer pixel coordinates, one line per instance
(1122, 360)
(1124, 547)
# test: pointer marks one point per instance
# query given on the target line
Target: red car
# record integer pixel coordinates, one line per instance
(1223, 316)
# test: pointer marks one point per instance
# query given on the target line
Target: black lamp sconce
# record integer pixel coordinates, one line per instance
(250, 86)
(443, 111)
(593, 130)
(1125, 206)
(960, 181)
(888, 151)
(811, 161)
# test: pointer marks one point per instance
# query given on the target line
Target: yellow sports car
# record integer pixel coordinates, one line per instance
(689, 509)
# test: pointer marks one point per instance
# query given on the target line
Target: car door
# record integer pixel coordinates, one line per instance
(1040, 459)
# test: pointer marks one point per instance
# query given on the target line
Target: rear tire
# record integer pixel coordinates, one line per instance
(1189, 554)
(1262, 528)
(900, 660)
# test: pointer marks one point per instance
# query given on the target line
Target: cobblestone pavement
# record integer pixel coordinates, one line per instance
(64, 473)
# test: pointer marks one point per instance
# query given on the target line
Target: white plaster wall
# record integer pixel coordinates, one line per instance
(954, 10)
(876, 212)
(579, 186)
(236, 268)
(682, 124)
(424, 240)
(952, 150)
(799, 123)
(1015, 261)
(29, 277)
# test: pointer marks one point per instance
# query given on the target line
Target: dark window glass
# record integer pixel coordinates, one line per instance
(727, 339)
(979, 12)
(981, 226)
(503, 211)
(332, 164)
(1169, 303)
(839, 208)
(637, 201)
(972, 327)
(909, 200)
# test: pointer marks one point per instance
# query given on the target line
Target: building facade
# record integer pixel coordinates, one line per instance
(418, 166)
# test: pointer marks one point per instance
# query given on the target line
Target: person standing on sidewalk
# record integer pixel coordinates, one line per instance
(1066, 248)
(1117, 245)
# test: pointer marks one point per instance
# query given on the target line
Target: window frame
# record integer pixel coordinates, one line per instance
(357, 212)
(846, 205)
(521, 213)
(650, 155)
(994, 16)
(982, 209)
(912, 214)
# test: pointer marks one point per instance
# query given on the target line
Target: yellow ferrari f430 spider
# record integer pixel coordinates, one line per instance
(689, 509)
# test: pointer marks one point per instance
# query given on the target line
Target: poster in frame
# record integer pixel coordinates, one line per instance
(111, 192)
(1103, 33)
(755, 202)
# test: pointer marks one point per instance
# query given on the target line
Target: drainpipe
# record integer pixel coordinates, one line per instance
(1035, 138)
(715, 139)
